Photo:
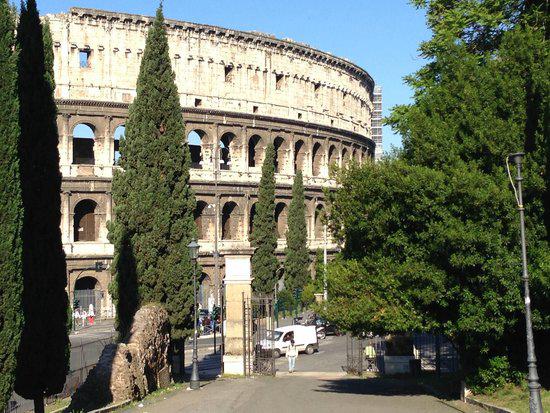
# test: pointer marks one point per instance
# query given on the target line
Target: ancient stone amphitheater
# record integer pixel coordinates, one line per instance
(238, 92)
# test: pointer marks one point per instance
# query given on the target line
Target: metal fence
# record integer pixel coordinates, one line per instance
(258, 325)
(417, 352)
(83, 358)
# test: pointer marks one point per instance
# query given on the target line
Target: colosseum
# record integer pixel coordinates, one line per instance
(239, 91)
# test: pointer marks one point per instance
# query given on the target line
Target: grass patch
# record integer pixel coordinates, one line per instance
(515, 398)
(58, 404)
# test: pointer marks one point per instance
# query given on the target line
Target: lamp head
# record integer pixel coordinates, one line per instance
(193, 249)
(517, 158)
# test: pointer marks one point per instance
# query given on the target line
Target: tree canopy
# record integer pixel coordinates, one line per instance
(154, 201)
(11, 208)
(43, 359)
(430, 234)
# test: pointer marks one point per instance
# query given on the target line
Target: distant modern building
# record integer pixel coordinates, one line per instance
(377, 122)
(239, 91)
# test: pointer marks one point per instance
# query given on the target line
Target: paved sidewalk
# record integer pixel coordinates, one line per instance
(307, 392)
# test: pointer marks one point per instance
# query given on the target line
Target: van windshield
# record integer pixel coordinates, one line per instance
(274, 335)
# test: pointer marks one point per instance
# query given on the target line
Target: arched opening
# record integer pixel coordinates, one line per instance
(251, 219)
(83, 144)
(279, 144)
(281, 219)
(319, 225)
(194, 140)
(206, 292)
(345, 157)
(317, 157)
(199, 219)
(226, 150)
(332, 155)
(299, 156)
(87, 296)
(84, 221)
(119, 133)
(229, 220)
(254, 156)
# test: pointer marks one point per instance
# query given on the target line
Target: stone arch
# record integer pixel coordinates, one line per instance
(318, 231)
(280, 154)
(87, 282)
(299, 156)
(251, 218)
(195, 140)
(227, 143)
(345, 157)
(85, 221)
(356, 155)
(87, 291)
(230, 221)
(316, 159)
(200, 222)
(281, 218)
(206, 290)
(332, 155)
(255, 157)
(119, 133)
(84, 136)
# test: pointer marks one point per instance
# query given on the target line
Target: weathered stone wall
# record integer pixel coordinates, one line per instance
(131, 369)
(215, 68)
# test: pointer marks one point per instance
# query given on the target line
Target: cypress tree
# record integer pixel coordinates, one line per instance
(154, 201)
(11, 208)
(264, 234)
(297, 254)
(44, 349)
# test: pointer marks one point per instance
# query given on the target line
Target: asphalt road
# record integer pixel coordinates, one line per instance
(319, 385)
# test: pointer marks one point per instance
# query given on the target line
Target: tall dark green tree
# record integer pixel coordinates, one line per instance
(264, 234)
(297, 253)
(44, 349)
(154, 201)
(11, 208)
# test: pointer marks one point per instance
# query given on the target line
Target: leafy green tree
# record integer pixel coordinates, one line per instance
(424, 252)
(264, 234)
(154, 201)
(11, 208)
(297, 253)
(44, 349)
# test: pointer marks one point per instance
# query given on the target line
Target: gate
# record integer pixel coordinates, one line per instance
(258, 325)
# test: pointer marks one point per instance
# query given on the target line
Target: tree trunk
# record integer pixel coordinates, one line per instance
(39, 404)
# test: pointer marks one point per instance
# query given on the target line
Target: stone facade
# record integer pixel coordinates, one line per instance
(238, 92)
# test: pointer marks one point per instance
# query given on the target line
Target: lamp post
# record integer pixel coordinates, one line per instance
(325, 293)
(535, 403)
(194, 382)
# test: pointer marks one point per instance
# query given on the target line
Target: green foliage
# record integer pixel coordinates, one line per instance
(494, 375)
(297, 253)
(11, 208)
(154, 201)
(264, 234)
(286, 300)
(308, 294)
(423, 251)
(430, 234)
(43, 358)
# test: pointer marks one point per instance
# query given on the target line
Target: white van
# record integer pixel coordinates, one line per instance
(305, 339)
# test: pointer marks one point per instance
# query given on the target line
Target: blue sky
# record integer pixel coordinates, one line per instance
(382, 36)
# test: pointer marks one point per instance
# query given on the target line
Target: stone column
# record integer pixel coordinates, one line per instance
(67, 219)
(237, 282)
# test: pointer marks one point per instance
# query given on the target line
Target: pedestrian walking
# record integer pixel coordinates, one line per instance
(91, 314)
(83, 316)
(76, 316)
(292, 355)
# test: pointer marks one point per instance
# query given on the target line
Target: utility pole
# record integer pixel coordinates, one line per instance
(535, 402)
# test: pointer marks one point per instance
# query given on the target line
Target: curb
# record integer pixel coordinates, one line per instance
(105, 409)
(487, 406)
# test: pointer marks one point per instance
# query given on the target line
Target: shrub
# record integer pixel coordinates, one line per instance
(496, 374)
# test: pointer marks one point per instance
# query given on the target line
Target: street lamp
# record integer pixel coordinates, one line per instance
(535, 403)
(194, 383)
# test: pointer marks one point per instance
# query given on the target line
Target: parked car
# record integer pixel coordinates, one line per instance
(329, 328)
(305, 339)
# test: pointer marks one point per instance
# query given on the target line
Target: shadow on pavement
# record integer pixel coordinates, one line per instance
(372, 386)
(209, 367)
